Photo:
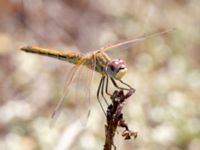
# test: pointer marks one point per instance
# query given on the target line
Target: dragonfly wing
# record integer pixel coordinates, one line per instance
(71, 76)
(77, 93)
(138, 39)
(84, 92)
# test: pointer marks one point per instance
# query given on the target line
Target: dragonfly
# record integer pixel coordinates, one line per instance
(96, 61)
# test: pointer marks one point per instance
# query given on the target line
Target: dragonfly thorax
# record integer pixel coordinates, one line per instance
(104, 65)
(116, 68)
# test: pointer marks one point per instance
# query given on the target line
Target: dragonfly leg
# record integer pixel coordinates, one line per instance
(115, 84)
(98, 91)
(107, 80)
(102, 90)
(122, 88)
(130, 87)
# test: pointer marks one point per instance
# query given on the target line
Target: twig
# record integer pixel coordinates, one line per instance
(115, 119)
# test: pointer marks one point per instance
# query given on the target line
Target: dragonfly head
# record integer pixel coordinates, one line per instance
(116, 68)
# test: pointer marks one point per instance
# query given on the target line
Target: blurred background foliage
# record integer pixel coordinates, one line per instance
(165, 71)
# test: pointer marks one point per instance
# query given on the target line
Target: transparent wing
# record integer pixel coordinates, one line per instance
(84, 91)
(137, 39)
(65, 93)
(77, 93)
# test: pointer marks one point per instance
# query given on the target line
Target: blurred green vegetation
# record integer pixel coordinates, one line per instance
(165, 71)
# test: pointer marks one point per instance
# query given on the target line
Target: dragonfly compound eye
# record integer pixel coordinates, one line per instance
(116, 68)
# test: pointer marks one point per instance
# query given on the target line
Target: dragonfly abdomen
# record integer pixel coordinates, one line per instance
(72, 57)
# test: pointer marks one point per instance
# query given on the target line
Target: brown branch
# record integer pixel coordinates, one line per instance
(115, 119)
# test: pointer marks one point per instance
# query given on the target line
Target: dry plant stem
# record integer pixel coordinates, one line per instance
(115, 119)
